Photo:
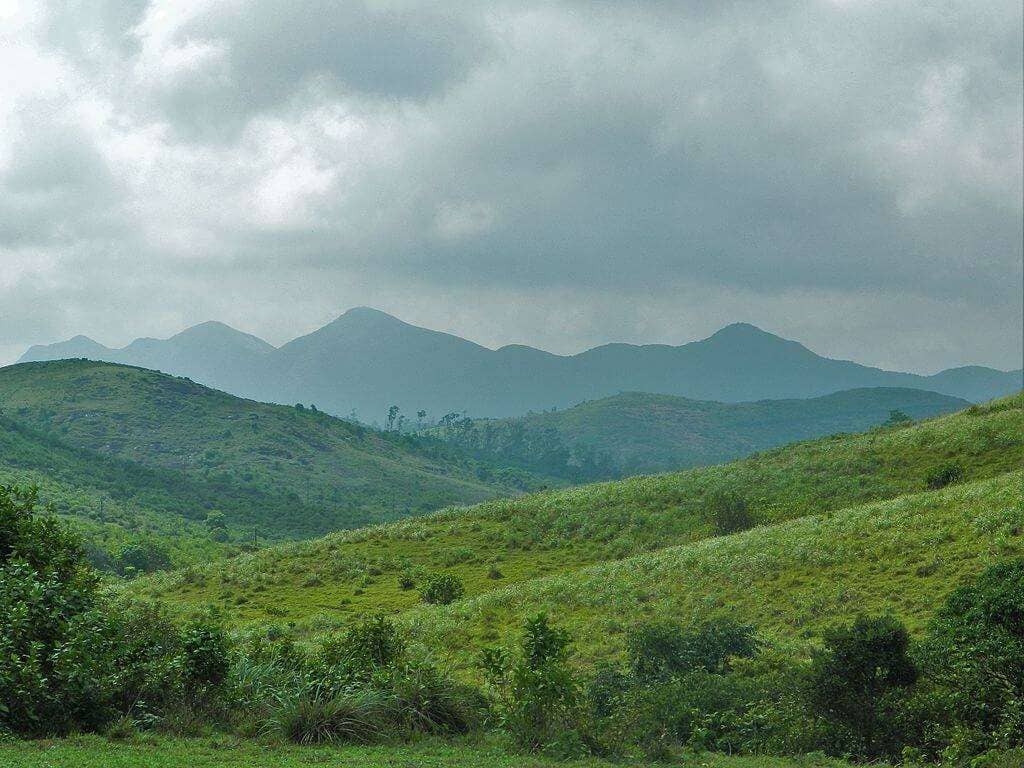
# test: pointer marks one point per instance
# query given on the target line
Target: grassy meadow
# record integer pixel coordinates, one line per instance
(502, 544)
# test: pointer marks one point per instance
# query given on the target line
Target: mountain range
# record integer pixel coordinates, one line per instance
(366, 361)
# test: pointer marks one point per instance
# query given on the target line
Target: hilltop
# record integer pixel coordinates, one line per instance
(344, 575)
(634, 433)
(365, 361)
(289, 471)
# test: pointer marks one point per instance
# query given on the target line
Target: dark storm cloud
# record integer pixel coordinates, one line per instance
(559, 173)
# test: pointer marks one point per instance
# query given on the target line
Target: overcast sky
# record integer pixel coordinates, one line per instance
(847, 173)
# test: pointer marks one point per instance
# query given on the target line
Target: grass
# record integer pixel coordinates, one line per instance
(226, 752)
(791, 580)
(291, 472)
(352, 573)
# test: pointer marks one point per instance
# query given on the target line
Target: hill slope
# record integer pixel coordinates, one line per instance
(291, 472)
(367, 361)
(113, 503)
(792, 580)
(356, 572)
(635, 433)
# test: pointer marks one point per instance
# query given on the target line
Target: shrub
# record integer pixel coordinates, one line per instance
(205, 646)
(940, 477)
(356, 717)
(663, 650)
(855, 681)
(428, 702)
(730, 513)
(142, 557)
(974, 656)
(442, 589)
(372, 644)
(537, 698)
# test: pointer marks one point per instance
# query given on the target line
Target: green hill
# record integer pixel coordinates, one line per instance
(635, 432)
(791, 580)
(113, 503)
(347, 574)
(289, 471)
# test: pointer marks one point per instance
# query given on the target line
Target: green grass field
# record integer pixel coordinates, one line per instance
(791, 580)
(226, 752)
(352, 573)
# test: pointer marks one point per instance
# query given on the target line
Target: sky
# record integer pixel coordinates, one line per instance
(846, 173)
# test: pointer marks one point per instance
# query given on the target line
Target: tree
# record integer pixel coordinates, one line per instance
(392, 415)
(664, 650)
(538, 699)
(974, 652)
(897, 418)
(855, 679)
(442, 589)
(730, 513)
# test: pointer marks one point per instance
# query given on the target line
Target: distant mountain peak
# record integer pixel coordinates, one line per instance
(742, 331)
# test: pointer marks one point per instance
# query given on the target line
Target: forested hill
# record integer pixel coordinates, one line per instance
(638, 433)
(290, 472)
(366, 361)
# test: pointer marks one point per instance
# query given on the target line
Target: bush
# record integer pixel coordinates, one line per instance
(856, 681)
(428, 702)
(442, 589)
(372, 644)
(205, 647)
(947, 474)
(730, 513)
(355, 717)
(537, 698)
(664, 650)
(974, 657)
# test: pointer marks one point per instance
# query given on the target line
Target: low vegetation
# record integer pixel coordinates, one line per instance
(499, 544)
(73, 660)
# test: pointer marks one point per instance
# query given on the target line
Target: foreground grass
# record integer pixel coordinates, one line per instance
(508, 542)
(224, 752)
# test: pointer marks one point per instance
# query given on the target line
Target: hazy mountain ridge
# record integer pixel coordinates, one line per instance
(365, 361)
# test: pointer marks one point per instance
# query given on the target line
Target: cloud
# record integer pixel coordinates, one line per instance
(558, 173)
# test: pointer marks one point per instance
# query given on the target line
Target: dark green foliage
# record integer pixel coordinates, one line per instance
(442, 589)
(974, 656)
(857, 680)
(371, 644)
(354, 717)
(69, 658)
(665, 650)
(730, 513)
(429, 702)
(146, 556)
(945, 475)
(206, 649)
(897, 418)
(537, 696)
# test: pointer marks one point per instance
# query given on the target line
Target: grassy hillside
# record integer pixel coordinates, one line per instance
(791, 580)
(292, 472)
(634, 433)
(355, 572)
(113, 503)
